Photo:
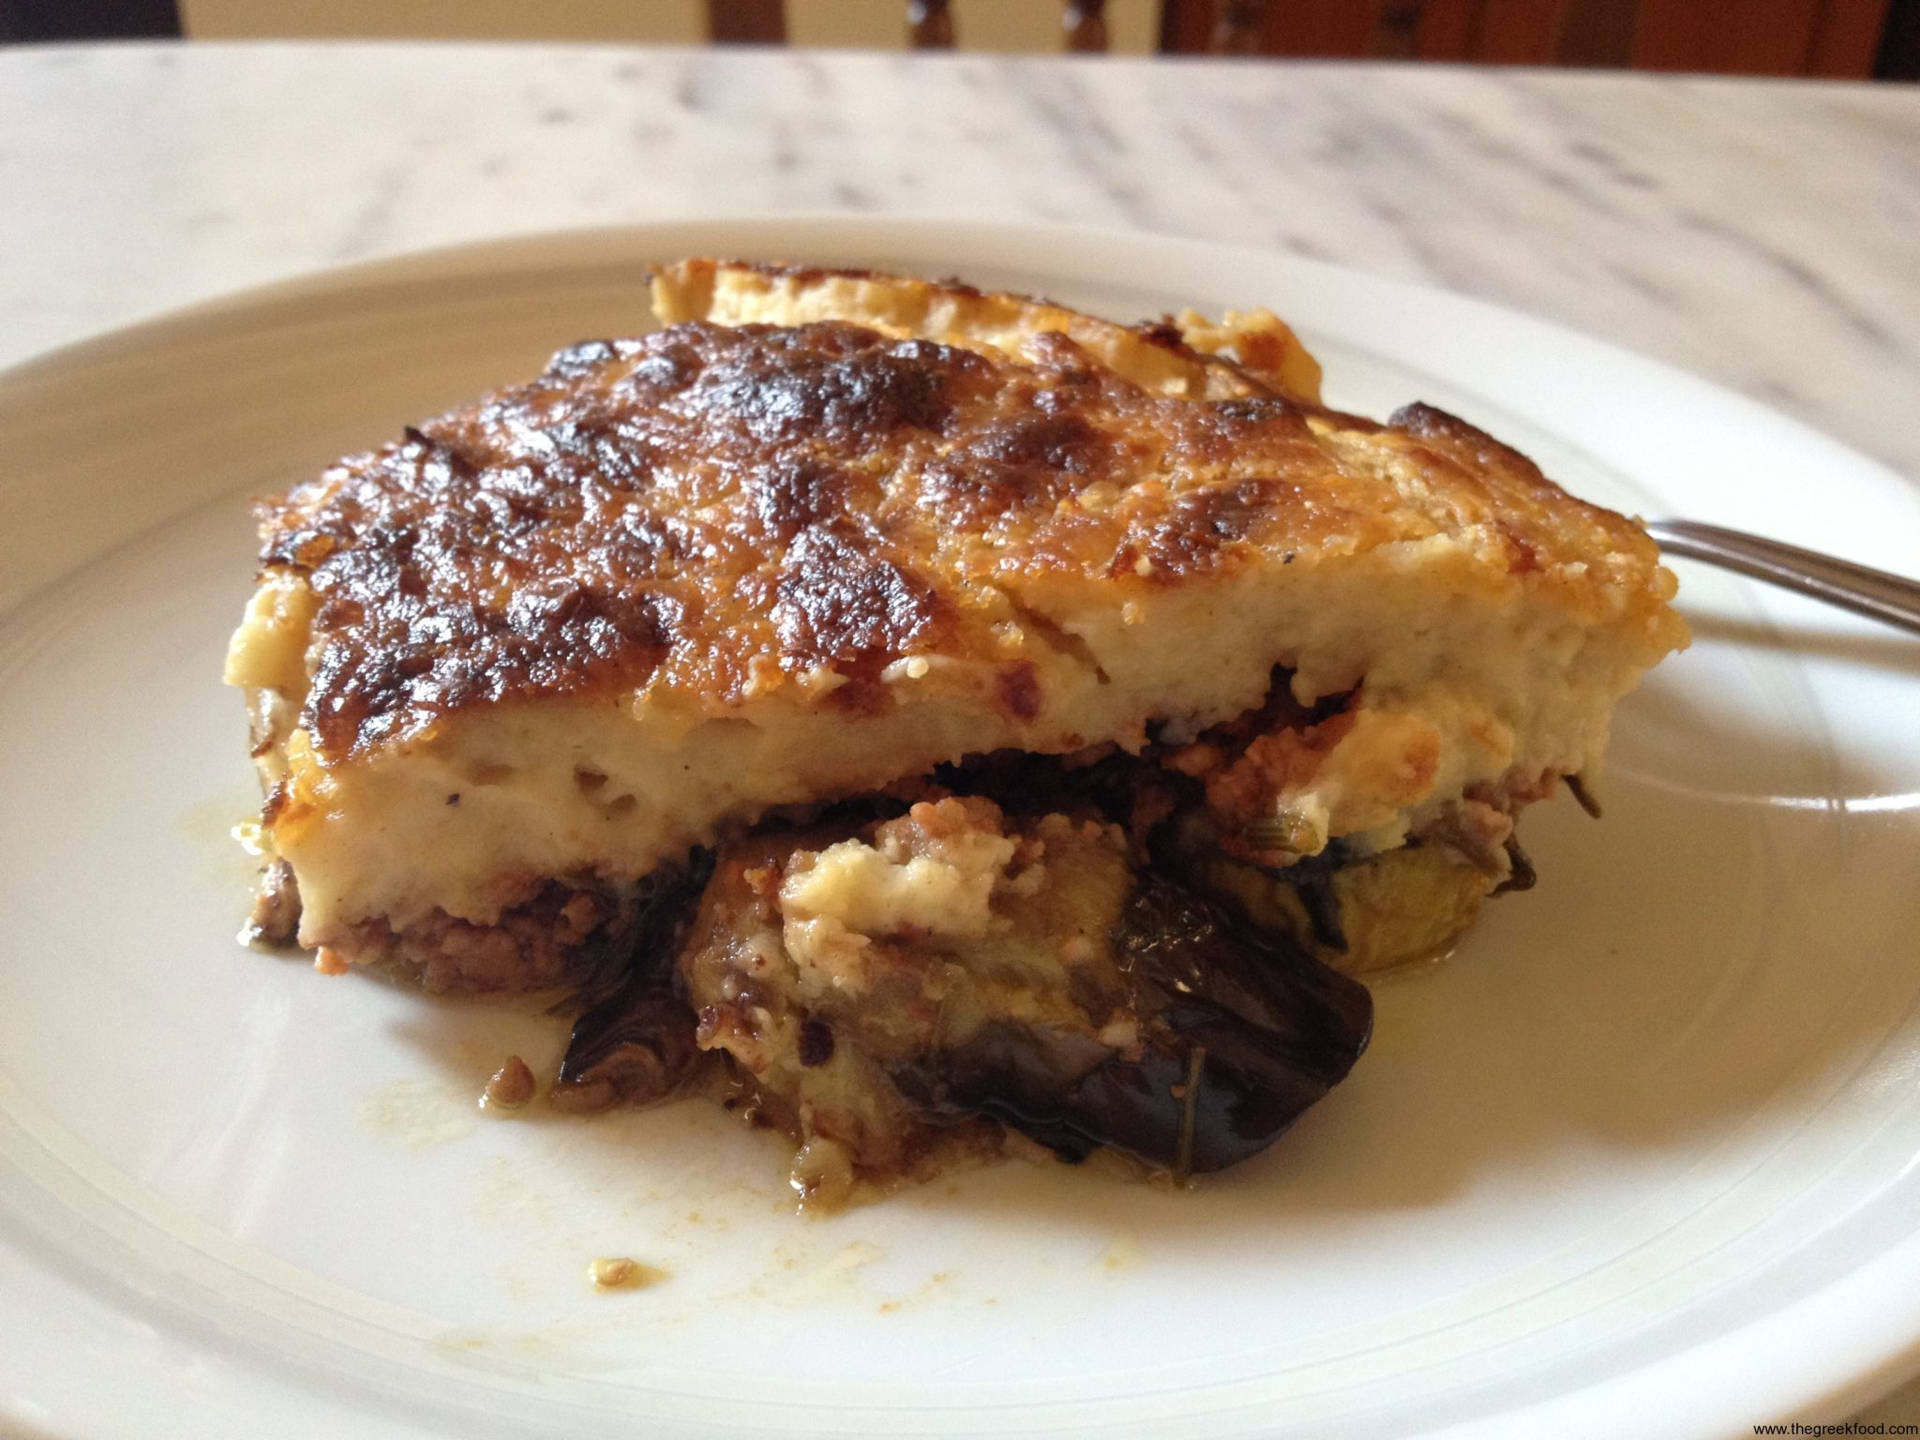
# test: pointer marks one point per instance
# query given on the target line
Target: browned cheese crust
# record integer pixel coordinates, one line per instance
(725, 508)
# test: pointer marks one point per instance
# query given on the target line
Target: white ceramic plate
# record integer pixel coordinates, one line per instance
(1639, 1160)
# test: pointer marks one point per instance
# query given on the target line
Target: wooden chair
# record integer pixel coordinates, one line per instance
(1839, 38)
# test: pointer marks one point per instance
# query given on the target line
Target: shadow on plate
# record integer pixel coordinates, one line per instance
(1890, 650)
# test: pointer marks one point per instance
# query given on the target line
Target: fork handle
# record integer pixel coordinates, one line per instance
(1865, 591)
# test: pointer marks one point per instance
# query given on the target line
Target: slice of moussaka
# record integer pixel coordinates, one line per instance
(950, 713)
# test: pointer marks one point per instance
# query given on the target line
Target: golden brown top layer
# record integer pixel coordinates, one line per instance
(1237, 356)
(727, 510)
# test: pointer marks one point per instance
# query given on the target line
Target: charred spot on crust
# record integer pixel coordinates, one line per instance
(796, 492)
(1030, 462)
(1257, 410)
(1430, 422)
(1202, 523)
(585, 356)
(665, 368)
(1047, 442)
(828, 381)
(843, 603)
(1217, 515)
(972, 495)
(434, 663)
(1461, 441)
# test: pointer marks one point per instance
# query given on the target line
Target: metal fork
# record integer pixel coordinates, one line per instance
(1865, 591)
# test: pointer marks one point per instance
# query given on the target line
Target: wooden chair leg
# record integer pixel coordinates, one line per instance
(929, 25)
(1086, 26)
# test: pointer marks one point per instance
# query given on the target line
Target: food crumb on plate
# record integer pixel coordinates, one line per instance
(510, 1087)
(620, 1272)
(1122, 1253)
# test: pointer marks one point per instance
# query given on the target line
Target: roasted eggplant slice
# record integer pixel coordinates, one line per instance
(1239, 1034)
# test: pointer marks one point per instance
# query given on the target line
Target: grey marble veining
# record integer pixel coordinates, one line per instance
(1766, 234)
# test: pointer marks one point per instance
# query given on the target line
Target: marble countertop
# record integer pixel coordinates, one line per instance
(1764, 234)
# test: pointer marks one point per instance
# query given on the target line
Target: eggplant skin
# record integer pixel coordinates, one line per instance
(631, 1050)
(633, 1041)
(1240, 1034)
